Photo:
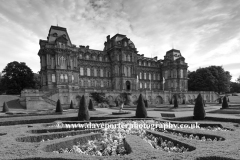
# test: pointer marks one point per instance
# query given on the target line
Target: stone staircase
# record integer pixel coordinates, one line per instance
(49, 94)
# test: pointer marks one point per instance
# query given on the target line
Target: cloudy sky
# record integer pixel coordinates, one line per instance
(207, 32)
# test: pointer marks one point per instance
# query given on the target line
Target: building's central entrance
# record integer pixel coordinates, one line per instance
(128, 86)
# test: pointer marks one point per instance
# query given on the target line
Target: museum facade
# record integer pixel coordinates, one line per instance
(69, 71)
(118, 67)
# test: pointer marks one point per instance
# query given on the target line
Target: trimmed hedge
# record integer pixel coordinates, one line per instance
(141, 111)
(199, 112)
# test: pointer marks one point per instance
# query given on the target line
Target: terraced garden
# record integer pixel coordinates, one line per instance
(49, 141)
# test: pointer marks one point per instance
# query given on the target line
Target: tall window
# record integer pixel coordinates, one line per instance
(125, 71)
(87, 57)
(100, 58)
(89, 83)
(80, 56)
(150, 76)
(145, 85)
(53, 78)
(102, 84)
(81, 71)
(145, 75)
(158, 76)
(129, 71)
(154, 77)
(101, 72)
(140, 75)
(66, 78)
(139, 63)
(72, 78)
(117, 70)
(61, 77)
(140, 85)
(95, 72)
(88, 72)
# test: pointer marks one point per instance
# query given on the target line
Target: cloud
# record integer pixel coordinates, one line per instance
(206, 32)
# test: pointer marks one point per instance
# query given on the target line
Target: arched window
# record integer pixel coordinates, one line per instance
(87, 57)
(100, 58)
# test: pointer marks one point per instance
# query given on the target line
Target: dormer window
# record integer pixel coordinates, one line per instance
(55, 34)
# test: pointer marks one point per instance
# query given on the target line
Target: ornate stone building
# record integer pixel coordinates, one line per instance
(118, 67)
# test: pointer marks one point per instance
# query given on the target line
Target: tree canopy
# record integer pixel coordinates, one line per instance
(213, 78)
(16, 77)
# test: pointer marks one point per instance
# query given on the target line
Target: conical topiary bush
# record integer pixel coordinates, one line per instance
(199, 112)
(90, 106)
(71, 105)
(175, 102)
(146, 103)
(225, 103)
(83, 114)
(228, 100)
(59, 107)
(141, 110)
(5, 107)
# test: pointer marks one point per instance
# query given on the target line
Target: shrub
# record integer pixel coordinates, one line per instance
(99, 97)
(199, 112)
(220, 100)
(184, 101)
(175, 102)
(71, 105)
(59, 107)
(5, 107)
(228, 100)
(170, 101)
(90, 106)
(225, 103)
(83, 113)
(141, 110)
(116, 103)
(146, 103)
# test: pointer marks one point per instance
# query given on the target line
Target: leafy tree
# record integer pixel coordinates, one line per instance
(16, 77)
(225, 103)
(5, 107)
(71, 105)
(235, 87)
(212, 78)
(59, 108)
(99, 97)
(199, 112)
(124, 98)
(83, 113)
(141, 110)
(238, 80)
